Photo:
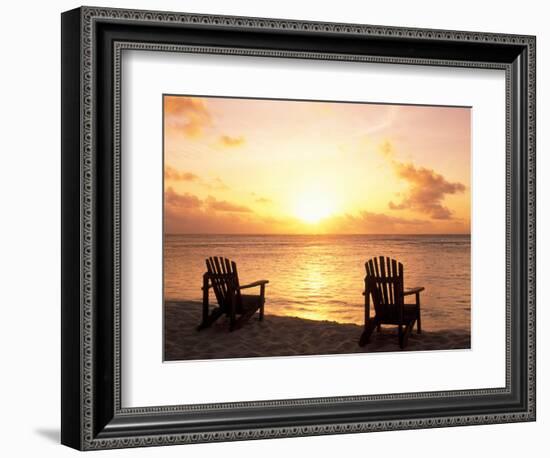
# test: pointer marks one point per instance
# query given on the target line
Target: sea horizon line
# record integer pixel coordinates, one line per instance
(313, 234)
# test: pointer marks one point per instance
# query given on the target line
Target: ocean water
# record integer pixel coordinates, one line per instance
(321, 277)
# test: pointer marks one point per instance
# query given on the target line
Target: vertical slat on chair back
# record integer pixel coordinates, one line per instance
(224, 279)
(384, 282)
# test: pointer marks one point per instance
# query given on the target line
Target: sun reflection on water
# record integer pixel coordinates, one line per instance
(321, 277)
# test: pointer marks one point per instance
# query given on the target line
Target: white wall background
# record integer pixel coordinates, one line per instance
(30, 230)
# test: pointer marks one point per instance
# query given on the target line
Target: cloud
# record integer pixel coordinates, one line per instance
(189, 115)
(231, 142)
(217, 184)
(383, 219)
(176, 201)
(225, 206)
(263, 200)
(187, 213)
(386, 148)
(427, 188)
(172, 174)
(367, 222)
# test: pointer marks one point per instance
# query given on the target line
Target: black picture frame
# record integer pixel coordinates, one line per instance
(92, 416)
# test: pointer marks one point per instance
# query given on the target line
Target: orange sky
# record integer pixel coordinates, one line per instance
(272, 166)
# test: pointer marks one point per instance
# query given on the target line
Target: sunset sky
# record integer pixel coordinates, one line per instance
(255, 166)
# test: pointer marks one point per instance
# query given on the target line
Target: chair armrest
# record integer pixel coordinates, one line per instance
(256, 283)
(410, 291)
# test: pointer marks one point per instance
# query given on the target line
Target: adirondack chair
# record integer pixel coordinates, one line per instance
(221, 276)
(384, 284)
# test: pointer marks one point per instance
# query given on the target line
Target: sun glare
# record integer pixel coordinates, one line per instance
(313, 207)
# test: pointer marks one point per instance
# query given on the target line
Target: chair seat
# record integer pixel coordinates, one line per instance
(390, 315)
(250, 302)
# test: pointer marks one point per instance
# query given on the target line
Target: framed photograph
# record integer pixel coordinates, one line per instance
(277, 228)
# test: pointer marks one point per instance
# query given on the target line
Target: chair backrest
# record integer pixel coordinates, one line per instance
(384, 282)
(224, 279)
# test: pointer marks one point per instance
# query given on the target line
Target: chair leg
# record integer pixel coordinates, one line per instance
(236, 324)
(205, 305)
(232, 314)
(404, 338)
(367, 331)
(262, 300)
(418, 327)
(400, 335)
(214, 315)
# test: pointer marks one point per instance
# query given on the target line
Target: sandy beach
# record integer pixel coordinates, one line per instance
(285, 336)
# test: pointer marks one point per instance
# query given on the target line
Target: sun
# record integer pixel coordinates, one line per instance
(312, 207)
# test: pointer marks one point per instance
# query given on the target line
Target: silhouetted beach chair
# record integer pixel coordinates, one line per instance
(384, 284)
(222, 277)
